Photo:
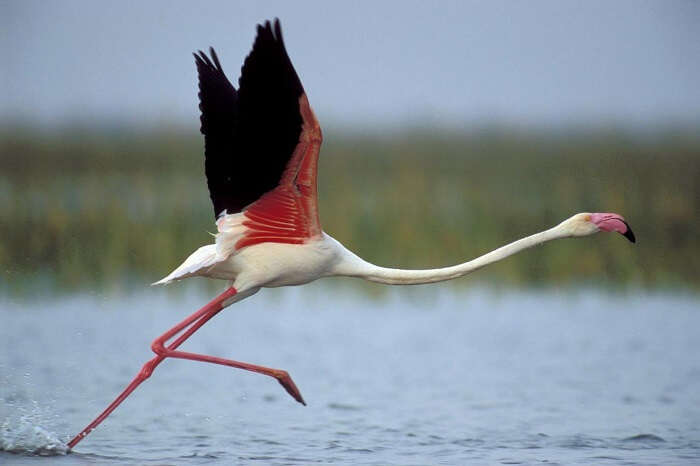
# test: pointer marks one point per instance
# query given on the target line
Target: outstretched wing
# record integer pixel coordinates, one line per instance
(261, 143)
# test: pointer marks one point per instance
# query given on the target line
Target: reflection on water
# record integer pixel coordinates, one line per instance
(419, 375)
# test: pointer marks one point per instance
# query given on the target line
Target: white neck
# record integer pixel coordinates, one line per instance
(351, 265)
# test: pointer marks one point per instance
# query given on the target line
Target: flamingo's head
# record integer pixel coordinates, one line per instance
(588, 223)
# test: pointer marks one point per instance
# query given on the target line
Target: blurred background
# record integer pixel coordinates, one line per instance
(449, 129)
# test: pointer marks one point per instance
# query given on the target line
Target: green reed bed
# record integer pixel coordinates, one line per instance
(90, 208)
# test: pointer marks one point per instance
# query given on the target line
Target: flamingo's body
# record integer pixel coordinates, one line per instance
(262, 144)
(267, 264)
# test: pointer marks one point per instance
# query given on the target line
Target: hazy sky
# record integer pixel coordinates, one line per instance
(362, 63)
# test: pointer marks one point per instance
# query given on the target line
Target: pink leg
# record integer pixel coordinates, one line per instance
(282, 376)
(195, 321)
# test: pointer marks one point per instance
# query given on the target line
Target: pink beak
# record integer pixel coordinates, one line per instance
(613, 222)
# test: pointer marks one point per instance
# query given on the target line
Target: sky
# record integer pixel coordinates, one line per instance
(363, 64)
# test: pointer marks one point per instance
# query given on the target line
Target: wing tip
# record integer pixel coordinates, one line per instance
(270, 29)
(278, 29)
(215, 57)
(205, 64)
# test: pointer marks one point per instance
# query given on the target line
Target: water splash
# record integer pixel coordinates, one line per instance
(23, 436)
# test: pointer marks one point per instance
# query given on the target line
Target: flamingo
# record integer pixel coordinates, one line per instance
(261, 152)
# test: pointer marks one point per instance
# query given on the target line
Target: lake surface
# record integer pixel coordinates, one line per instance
(426, 375)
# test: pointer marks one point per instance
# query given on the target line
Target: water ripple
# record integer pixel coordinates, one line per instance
(645, 438)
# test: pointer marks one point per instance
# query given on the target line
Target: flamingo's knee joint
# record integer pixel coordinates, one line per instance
(158, 348)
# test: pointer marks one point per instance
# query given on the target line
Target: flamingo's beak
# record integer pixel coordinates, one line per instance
(629, 234)
(613, 222)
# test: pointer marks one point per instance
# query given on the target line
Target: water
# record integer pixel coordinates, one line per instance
(424, 375)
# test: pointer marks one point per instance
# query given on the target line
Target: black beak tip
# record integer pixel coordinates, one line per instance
(629, 234)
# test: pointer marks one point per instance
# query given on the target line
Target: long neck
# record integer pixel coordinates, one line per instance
(351, 265)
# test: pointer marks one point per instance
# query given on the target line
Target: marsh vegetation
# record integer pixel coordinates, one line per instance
(103, 208)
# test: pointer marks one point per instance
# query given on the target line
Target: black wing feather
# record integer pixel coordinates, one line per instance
(249, 134)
